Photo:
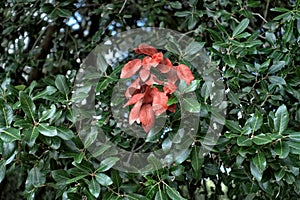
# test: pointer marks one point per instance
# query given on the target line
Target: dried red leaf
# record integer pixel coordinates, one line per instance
(145, 49)
(147, 117)
(131, 68)
(153, 80)
(147, 63)
(159, 104)
(184, 73)
(144, 74)
(135, 98)
(135, 111)
(164, 66)
(169, 88)
(156, 59)
(172, 108)
(172, 76)
(133, 87)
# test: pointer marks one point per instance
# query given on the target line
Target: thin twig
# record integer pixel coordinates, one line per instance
(267, 8)
(123, 6)
(261, 17)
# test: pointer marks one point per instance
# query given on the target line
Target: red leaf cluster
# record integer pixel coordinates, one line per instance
(147, 100)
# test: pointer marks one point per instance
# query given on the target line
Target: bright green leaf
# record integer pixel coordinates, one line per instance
(10, 134)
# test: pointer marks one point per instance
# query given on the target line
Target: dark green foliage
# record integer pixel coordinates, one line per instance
(254, 43)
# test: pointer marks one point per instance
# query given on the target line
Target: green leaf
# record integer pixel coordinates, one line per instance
(35, 178)
(191, 105)
(294, 147)
(2, 169)
(282, 149)
(276, 80)
(197, 161)
(75, 179)
(60, 176)
(107, 164)
(10, 134)
(192, 86)
(260, 161)
(244, 141)
(193, 48)
(279, 174)
(61, 84)
(6, 114)
(173, 194)
(230, 60)
(155, 162)
(31, 135)
(47, 130)
(47, 92)
(255, 171)
(48, 113)
(27, 105)
(176, 5)
(160, 195)
(103, 179)
(294, 136)
(277, 66)
(254, 122)
(241, 27)
(234, 98)
(65, 133)
(281, 119)
(233, 126)
(182, 13)
(101, 63)
(94, 187)
(262, 139)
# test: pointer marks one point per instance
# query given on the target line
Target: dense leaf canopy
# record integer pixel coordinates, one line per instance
(255, 46)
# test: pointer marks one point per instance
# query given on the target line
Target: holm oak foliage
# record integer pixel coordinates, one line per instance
(143, 93)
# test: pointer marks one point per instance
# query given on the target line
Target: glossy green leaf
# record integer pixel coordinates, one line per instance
(192, 87)
(244, 141)
(65, 133)
(191, 105)
(294, 147)
(50, 90)
(6, 115)
(255, 171)
(294, 136)
(197, 160)
(61, 84)
(276, 80)
(173, 194)
(31, 135)
(27, 105)
(281, 119)
(262, 139)
(107, 163)
(35, 177)
(277, 66)
(282, 149)
(241, 27)
(48, 113)
(47, 130)
(103, 179)
(193, 48)
(160, 195)
(233, 126)
(2, 169)
(10, 134)
(279, 174)
(94, 187)
(260, 161)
